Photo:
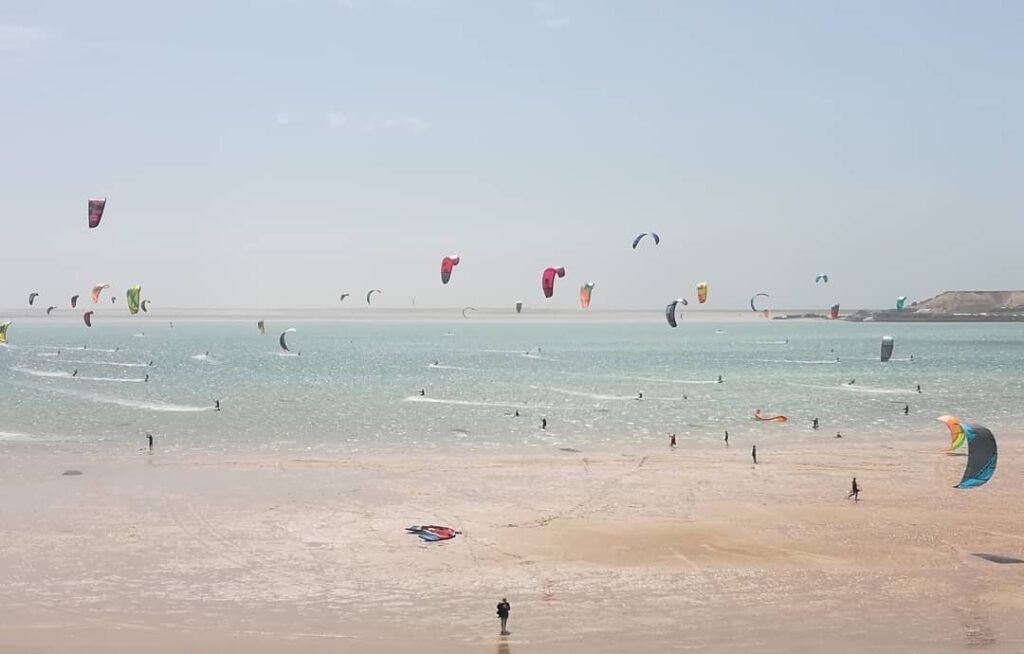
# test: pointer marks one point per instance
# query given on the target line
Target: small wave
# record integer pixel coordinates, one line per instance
(662, 380)
(47, 354)
(18, 437)
(880, 391)
(111, 379)
(537, 357)
(42, 373)
(771, 342)
(434, 400)
(107, 363)
(438, 366)
(131, 404)
(802, 361)
(593, 396)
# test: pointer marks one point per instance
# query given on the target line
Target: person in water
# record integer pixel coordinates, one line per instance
(216, 405)
(517, 413)
(814, 424)
(671, 440)
(150, 362)
(149, 437)
(911, 357)
(727, 437)
(146, 379)
(851, 382)
(640, 395)
(839, 434)
(503, 610)
(719, 379)
(543, 423)
(854, 491)
(75, 373)
(919, 388)
(906, 409)
(753, 453)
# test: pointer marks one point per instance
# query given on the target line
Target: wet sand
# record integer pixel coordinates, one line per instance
(666, 551)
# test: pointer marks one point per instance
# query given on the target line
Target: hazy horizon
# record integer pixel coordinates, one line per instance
(275, 154)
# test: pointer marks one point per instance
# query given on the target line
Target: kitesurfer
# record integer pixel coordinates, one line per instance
(919, 388)
(149, 437)
(517, 413)
(423, 392)
(727, 438)
(117, 348)
(814, 424)
(854, 491)
(851, 382)
(150, 362)
(503, 610)
(839, 434)
(216, 405)
(906, 409)
(911, 357)
(146, 379)
(75, 373)
(753, 453)
(543, 423)
(719, 379)
(640, 395)
(671, 440)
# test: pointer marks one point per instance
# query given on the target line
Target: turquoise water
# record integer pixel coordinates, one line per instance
(355, 387)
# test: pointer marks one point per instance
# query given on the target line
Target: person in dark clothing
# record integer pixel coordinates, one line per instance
(919, 388)
(854, 491)
(503, 610)
(543, 423)
(75, 373)
(753, 454)
(727, 437)
(906, 409)
(839, 434)
(814, 424)
(216, 405)
(719, 379)
(671, 440)
(149, 437)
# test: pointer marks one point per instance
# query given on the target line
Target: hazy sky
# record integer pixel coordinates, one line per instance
(273, 153)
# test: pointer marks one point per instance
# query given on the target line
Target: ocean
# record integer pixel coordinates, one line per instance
(352, 387)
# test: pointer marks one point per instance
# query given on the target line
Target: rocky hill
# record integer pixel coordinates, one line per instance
(972, 302)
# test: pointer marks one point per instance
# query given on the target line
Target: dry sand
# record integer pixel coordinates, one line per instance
(673, 551)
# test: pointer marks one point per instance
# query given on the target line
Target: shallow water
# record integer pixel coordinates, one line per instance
(355, 387)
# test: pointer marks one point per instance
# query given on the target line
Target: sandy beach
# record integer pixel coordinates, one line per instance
(685, 550)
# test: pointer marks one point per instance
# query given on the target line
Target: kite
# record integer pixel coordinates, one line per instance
(585, 292)
(547, 280)
(760, 418)
(341, 298)
(467, 309)
(821, 277)
(519, 306)
(133, 298)
(96, 290)
(144, 306)
(371, 292)
(32, 298)
(50, 309)
(900, 301)
(96, 207)
(74, 301)
(981, 456)
(3, 330)
(702, 292)
(887, 344)
(670, 310)
(833, 311)
(447, 264)
(259, 326)
(284, 346)
(639, 237)
(87, 317)
(753, 301)
(957, 437)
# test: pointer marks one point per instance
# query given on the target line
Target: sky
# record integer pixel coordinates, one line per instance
(275, 153)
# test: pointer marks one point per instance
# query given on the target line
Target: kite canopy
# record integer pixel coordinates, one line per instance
(260, 328)
(87, 318)
(833, 311)
(467, 309)
(281, 341)
(640, 236)
(74, 301)
(702, 292)
(821, 277)
(132, 295)
(50, 308)
(585, 292)
(144, 305)
(900, 301)
(3, 330)
(96, 290)
(887, 345)
(547, 280)
(519, 306)
(371, 292)
(981, 456)
(753, 301)
(760, 418)
(447, 264)
(341, 298)
(96, 207)
(32, 298)
(957, 436)
(670, 310)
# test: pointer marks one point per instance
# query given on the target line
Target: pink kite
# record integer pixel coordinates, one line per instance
(547, 280)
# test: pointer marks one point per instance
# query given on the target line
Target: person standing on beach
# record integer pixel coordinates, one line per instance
(854, 491)
(149, 437)
(814, 424)
(753, 453)
(727, 437)
(671, 440)
(503, 610)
